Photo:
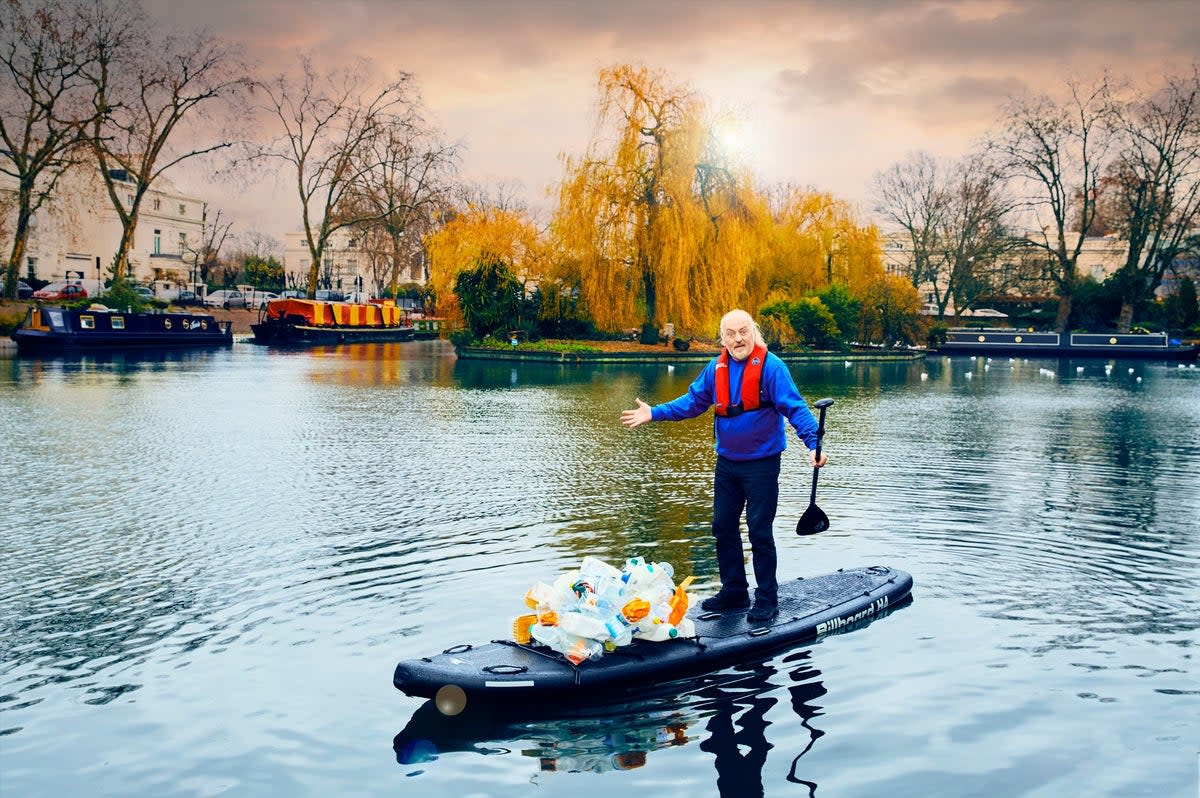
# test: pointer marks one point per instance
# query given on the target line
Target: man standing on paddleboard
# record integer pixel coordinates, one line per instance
(752, 393)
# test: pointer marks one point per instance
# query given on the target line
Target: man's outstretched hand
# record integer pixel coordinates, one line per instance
(636, 417)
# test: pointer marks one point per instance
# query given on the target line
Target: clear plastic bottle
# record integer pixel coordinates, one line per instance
(583, 625)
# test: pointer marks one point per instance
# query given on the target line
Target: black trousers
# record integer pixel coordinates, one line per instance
(752, 485)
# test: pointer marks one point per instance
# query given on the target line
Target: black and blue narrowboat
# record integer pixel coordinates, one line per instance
(54, 330)
(1026, 343)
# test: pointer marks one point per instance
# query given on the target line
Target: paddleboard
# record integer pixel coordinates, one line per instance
(809, 608)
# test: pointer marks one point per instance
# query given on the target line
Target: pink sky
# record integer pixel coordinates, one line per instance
(832, 92)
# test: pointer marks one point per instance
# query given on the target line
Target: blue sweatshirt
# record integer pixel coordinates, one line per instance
(755, 434)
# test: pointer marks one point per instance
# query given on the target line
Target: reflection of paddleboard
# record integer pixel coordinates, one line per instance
(808, 608)
(618, 739)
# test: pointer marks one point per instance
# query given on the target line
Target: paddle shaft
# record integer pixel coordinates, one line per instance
(820, 434)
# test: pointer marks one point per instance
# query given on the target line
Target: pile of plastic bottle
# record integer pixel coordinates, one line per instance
(598, 608)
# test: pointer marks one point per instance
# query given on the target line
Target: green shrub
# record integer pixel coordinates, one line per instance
(9, 322)
(814, 323)
(936, 335)
(461, 338)
(845, 308)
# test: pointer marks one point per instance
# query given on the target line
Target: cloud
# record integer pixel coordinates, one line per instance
(833, 90)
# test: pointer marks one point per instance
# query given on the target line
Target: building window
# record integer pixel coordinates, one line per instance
(157, 203)
(182, 243)
(158, 242)
(182, 209)
(130, 198)
(31, 268)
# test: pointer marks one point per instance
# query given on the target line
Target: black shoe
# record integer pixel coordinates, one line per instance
(726, 601)
(762, 611)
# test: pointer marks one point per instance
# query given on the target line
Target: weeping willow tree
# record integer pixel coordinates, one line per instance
(816, 241)
(482, 232)
(654, 222)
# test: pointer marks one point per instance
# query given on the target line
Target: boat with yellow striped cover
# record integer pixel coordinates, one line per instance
(305, 322)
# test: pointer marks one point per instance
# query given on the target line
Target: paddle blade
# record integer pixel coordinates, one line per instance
(813, 521)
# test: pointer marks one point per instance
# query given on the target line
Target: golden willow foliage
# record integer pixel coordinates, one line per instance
(656, 223)
(482, 232)
(815, 240)
(648, 238)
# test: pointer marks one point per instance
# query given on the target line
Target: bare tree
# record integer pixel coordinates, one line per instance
(1055, 153)
(206, 253)
(259, 245)
(406, 182)
(973, 236)
(910, 194)
(330, 124)
(42, 109)
(1155, 185)
(143, 95)
(954, 216)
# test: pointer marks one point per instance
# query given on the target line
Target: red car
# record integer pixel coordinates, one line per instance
(61, 291)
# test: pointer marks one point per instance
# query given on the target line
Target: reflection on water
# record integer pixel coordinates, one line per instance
(725, 713)
(214, 559)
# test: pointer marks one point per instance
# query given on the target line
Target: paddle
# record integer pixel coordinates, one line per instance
(814, 520)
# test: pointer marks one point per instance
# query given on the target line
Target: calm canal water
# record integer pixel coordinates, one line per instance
(213, 561)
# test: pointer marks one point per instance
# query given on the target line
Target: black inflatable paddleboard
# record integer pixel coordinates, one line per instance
(808, 608)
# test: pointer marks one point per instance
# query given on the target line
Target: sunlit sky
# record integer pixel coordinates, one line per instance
(830, 92)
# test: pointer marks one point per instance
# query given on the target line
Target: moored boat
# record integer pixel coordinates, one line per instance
(308, 321)
(428, 326)
(49, 330)
(1053, 344)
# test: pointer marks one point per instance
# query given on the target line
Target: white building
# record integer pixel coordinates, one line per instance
(1099, 258)
(75, 234)
(350, 264)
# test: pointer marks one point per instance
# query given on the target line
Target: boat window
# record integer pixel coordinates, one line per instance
(87, 322)
(118, 322)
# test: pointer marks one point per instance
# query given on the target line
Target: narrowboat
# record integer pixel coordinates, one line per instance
(53, 330)
(426, 327)
(990, 341)
(308, 321)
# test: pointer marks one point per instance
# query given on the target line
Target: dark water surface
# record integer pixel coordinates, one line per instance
(213, 561)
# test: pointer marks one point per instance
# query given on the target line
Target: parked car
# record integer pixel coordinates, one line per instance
(226, 298)
(330, 296)
(24, 290)
(293, 293)
(259, 299)
(987, 313)
(61, 291)
(187, 298)
(143, 293)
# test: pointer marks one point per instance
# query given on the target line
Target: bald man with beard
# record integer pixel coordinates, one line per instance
(752, 394)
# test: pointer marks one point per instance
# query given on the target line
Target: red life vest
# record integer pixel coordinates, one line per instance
(751, 377)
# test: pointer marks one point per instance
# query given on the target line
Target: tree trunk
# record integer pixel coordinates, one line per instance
(314, 272)
(649, 330)
(395, 268)
(12, 273)
(1062, 321)
(1125, 318)
(120, 264)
